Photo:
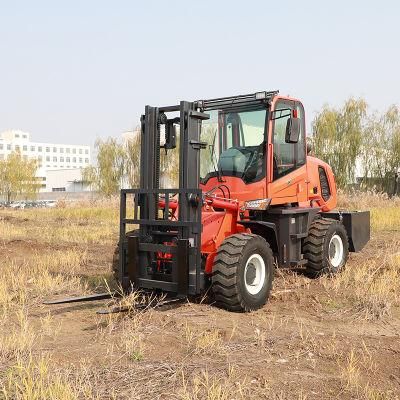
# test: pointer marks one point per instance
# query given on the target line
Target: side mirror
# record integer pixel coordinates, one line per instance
(292, 130)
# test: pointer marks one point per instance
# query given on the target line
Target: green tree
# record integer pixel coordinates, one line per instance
(169, 162)
(18, 177)
(107, 176)
(338, 137)
(133, 160)
(381, 149)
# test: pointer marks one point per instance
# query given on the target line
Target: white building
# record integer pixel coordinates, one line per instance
(66, 180)
(50, 156)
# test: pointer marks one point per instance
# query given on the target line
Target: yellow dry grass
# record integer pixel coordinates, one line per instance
(371, 286)
(67, 225)
(36, 379)
(204, 386)
(19, 339)
(385, 219)
(366, 200)
(385, 210)
(38, 277)
(353, 368)
(24, 285)
(207, 341)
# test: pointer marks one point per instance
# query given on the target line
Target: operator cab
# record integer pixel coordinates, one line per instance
(236, 145)
(238, 140)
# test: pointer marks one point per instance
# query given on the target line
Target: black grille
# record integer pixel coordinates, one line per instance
(323, 179)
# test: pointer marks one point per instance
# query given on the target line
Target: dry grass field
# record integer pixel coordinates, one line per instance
(330, 338)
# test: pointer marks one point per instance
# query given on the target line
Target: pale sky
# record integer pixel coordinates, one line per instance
(72, 71)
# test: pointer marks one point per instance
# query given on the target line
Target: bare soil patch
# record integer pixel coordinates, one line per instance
(308, 342)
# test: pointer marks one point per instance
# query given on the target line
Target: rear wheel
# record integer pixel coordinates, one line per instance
(326, 247)
(243, 272)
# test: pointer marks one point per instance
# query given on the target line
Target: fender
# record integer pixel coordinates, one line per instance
(265, 229)
(284, 231)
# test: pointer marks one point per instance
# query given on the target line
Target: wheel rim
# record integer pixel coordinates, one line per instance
(336, 250)
(254, 274)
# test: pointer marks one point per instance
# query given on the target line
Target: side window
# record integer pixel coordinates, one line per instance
(287, 156)
(284, 155)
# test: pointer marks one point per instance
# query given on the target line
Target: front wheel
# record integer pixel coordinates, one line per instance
(243, 272)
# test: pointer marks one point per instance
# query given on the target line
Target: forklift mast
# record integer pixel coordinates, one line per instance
(158, 234)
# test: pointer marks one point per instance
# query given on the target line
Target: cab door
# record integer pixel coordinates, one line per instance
(288, 171)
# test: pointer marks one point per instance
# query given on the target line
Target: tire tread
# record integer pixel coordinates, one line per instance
(225, 270)
(313, 247)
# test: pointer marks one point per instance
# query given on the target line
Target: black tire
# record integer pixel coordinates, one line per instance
(319, 247)
(229, 283)
(115, 260)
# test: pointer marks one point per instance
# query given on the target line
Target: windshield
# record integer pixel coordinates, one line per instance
(236, 143)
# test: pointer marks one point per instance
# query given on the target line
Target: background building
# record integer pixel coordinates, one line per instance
(66, 180)
(53, 159)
